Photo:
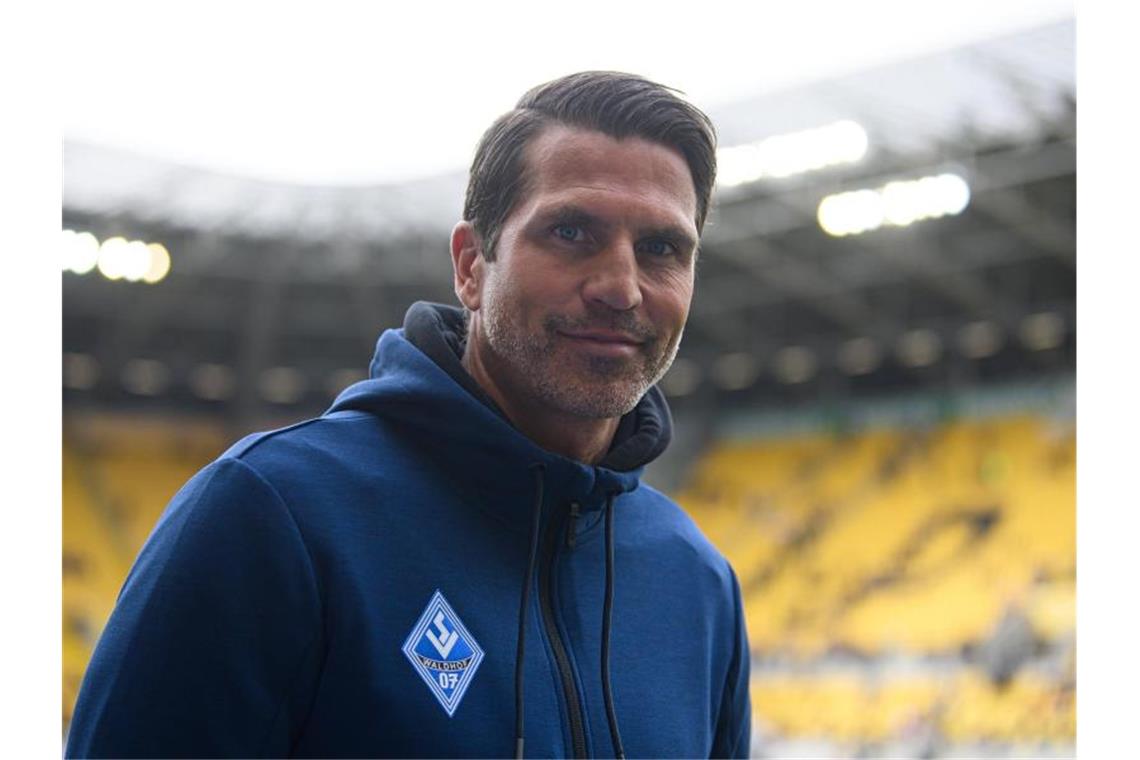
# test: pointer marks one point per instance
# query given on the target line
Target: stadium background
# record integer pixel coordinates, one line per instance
(874, 399)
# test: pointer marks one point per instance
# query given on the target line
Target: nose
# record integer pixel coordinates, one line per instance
(614, 279)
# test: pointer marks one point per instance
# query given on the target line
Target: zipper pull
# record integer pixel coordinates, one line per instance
(572, 525)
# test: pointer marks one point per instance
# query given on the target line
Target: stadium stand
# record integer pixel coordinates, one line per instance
(118, 476)
(888, 545)
(941, 562)
(967, 708)
(886, 540)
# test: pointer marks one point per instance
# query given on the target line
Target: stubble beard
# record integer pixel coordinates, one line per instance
(572, 382)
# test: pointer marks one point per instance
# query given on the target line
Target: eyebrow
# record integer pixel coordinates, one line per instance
(671, 234)
(572, 214)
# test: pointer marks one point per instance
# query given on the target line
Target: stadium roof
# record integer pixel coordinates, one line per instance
(270, 275)
(1007, 89)
(367, 94)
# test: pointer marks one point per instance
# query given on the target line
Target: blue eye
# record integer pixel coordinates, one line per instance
(568, 232)
(658, 247)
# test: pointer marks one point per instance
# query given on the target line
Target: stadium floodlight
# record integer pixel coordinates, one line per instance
(80, 251)
(213, 382)
(735, 371)
(135, 260)
(116, 257)
(980, 339)
(80, 371)
(795, 364)
(851, 213)
(145, 377)
(1040, 332)
(779, 156)
(158, 264)
(898, 203)
(682, 378)
(859, 356)
(919, 348)
(282, 385)
(111, 257)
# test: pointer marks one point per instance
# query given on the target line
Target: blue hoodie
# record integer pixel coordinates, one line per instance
(350, 586)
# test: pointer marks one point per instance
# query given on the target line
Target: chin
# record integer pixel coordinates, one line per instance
(594, 400)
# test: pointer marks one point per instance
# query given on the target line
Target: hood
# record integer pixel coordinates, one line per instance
(418, 384)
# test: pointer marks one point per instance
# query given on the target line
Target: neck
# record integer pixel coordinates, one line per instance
(582, 439)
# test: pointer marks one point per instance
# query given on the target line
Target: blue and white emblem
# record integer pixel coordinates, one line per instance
(443, 653)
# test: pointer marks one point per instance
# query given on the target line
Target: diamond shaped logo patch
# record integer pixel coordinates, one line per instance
(443, 652)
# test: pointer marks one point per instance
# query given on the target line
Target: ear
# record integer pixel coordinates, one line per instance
(468, 262)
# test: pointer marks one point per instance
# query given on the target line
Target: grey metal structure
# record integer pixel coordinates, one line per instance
(280, 291)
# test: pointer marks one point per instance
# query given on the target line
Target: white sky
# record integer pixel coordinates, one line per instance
(346, 93)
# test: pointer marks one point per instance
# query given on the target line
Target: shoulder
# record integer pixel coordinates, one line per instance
(662, 525)
(328, 435)
(327, 449)
(268, 489)
(332, 472)
(257, 475)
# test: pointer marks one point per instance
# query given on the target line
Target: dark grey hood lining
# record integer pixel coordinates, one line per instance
(440, 332)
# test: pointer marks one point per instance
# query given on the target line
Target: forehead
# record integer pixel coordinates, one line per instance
(569, 164)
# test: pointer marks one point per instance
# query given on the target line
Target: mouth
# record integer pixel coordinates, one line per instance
(604, 342)
(603, 337)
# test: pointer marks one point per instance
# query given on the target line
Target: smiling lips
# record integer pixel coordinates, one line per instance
(605, 341)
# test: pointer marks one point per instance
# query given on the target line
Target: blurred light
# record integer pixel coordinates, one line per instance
(859, 356)
(145, 377)
(213, 382)
(159, 264)
(851, 213)
(794, 153)
(897, 203)
(978, 340)
(111, 257)
(80, 251)
(736, 371)
(902, 203)
(953, 193)
(682, 378)
(135, 261)
(919, 348)
(342, 378)
(1040, 332)
(282, 385)
(80, 371)
(117, 259)
(795, 364)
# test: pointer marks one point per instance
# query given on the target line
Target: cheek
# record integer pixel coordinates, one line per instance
(669, 299)
(514, 298)
(545, 289)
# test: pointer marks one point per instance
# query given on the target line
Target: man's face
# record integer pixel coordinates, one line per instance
(583, 308)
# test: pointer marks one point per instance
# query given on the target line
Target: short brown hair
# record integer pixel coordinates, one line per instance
(616, 104)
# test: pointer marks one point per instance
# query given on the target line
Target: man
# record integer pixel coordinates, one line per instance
(459, 559)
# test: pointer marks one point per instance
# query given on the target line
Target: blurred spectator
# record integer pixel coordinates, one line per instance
(1010, 645)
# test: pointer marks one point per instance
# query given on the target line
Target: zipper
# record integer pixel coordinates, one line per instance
(545, 594)
(572, 528)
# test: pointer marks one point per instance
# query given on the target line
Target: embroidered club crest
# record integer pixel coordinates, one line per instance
(443, 653)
